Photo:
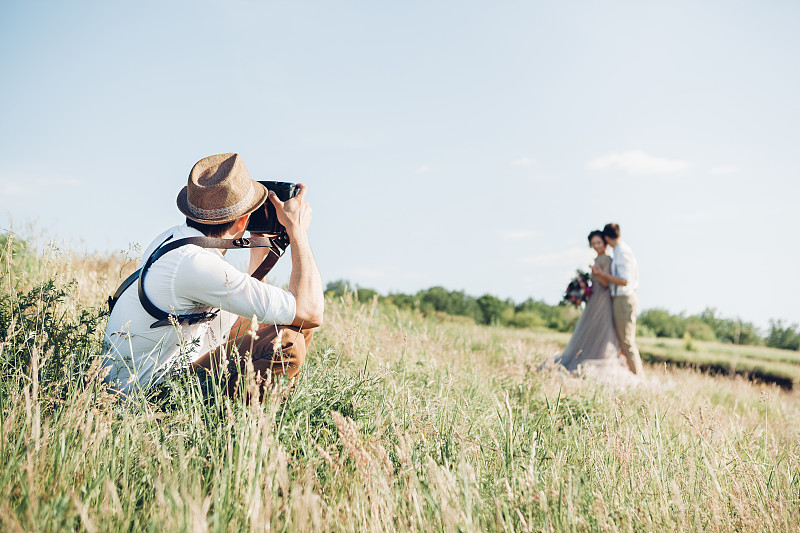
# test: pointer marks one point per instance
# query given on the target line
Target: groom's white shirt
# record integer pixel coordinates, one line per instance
(624, 266)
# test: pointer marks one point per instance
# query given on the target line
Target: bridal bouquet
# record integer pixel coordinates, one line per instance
(579, 289)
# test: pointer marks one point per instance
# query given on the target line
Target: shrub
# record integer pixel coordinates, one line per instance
(527, 319)
(781, 336)
(662, 323)
(402, 301)
(494, 310)
(558, 317)
(338, 288)
(699, 330)
(644, 331)
(41, 320)
(730, 330)
(451, 302)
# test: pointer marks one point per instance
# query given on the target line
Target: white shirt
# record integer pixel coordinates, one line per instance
(189, 279)
(624, 266)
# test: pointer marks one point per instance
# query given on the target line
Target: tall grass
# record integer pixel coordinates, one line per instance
(756, 362)
(398, 423)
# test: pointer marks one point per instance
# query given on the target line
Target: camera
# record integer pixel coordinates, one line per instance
(267, 222)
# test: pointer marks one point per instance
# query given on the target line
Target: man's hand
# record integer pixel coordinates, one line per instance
(601, 277)
(304, 282)
(294, 213)
(605, 279)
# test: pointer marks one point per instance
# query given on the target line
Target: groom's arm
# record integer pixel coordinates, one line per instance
(622, 267)
(608, 278)
(617, 281)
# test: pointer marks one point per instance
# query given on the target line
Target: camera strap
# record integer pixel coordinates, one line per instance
(277, 246)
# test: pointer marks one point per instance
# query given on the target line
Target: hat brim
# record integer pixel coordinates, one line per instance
(258, 200)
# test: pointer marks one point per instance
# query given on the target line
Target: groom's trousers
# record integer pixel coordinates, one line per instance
(625, 308)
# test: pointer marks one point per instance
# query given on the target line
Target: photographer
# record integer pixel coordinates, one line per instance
(211, 303)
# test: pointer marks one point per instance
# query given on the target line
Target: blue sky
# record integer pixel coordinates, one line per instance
(466, 144)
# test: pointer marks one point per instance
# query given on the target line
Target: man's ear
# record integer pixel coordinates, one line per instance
(241, 223)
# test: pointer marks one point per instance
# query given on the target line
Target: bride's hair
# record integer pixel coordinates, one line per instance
(596, 233)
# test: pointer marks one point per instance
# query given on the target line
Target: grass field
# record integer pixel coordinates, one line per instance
(398, 423)
(756, 362)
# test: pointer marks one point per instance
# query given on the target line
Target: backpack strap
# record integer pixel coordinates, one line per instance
(277, 245)
(112, 300)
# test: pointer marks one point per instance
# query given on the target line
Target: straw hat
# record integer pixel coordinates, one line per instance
(220, 190)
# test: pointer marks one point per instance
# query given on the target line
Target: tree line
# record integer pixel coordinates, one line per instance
(532, 313)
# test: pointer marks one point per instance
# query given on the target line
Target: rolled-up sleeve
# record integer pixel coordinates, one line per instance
(623, 265)
(208, 279)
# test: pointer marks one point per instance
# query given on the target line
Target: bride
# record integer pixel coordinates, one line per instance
(593, 348)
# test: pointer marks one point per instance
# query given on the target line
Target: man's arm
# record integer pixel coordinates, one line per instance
(605, 279)
(257, 256)
(622, 262)
(305, 282)
(602, 280)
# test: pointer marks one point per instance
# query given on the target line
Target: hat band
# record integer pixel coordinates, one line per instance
(222, 212)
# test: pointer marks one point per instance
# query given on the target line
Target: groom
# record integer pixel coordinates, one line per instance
(624, 280)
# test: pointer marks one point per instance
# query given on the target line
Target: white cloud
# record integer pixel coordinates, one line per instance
(14, 188)
(423, 169)
(638, 162)
(573, 258)
(523, 161)
(706, 213)
(724, 169)
(695, 216)
(382, 273)
(26, 185)
(58, 182)
(517, 234)
(368, 273)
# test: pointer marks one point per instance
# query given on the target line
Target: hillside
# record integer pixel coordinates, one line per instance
(400, 422)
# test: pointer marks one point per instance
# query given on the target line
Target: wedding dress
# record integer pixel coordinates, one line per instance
(593, 348)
